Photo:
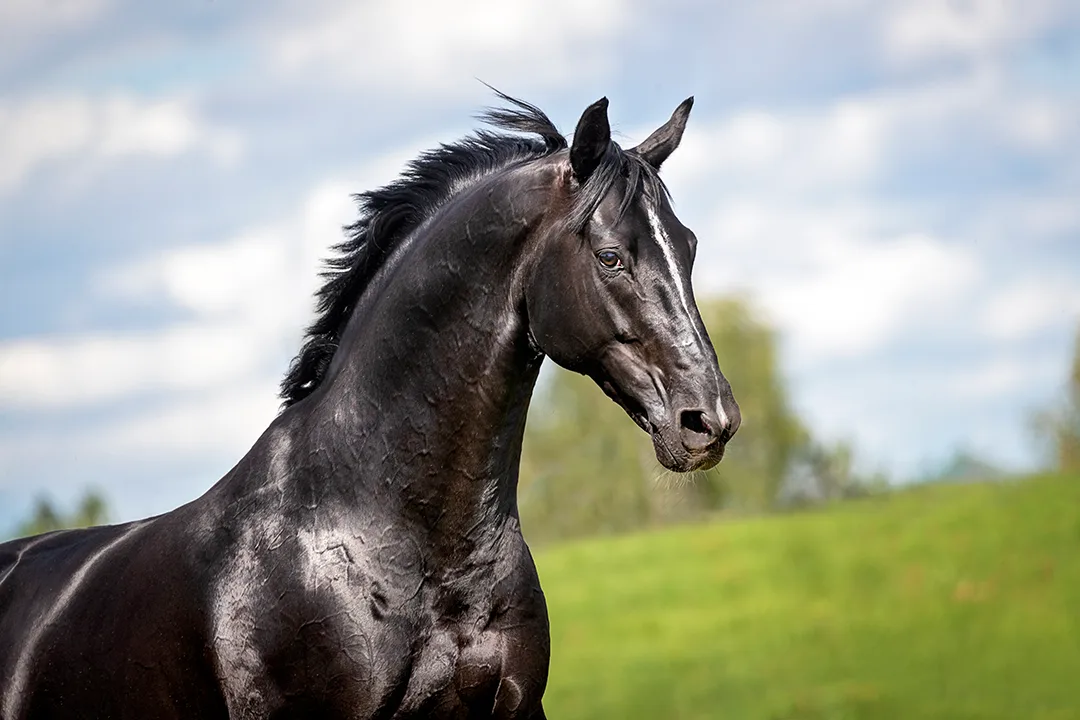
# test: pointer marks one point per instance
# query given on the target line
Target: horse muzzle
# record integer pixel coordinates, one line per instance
(694, 438)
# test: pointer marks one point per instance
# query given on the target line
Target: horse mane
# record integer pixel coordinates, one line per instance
(390, 214)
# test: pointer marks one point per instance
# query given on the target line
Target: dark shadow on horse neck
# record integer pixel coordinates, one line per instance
(420, 419)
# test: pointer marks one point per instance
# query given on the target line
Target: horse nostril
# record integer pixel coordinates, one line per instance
(696, 421)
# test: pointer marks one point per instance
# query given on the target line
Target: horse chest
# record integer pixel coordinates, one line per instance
(340, 630)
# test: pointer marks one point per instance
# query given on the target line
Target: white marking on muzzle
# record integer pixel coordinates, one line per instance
(662, 239)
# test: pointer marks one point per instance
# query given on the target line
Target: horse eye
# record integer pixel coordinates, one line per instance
(609, 259)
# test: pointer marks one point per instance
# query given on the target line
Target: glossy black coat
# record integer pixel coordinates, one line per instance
(364, 559)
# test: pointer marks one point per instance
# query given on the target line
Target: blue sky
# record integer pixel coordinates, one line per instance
(894, 184)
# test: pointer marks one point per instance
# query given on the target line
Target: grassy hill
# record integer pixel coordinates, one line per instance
(938, 602)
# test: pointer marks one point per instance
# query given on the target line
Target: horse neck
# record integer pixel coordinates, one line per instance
(424, 406)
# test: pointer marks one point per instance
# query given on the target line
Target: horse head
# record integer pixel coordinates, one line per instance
(610, 294)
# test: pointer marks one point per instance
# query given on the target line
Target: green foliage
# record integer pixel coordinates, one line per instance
(1059, 426)
(91, 510)
(586, 467)
(761, 455)
(823, 473)
(947, 601)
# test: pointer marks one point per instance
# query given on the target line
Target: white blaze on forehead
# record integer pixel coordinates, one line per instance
(661, 237)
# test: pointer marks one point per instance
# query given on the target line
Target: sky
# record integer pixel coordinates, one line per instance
(894, 185)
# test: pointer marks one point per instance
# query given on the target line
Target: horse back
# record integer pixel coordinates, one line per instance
(102, 622)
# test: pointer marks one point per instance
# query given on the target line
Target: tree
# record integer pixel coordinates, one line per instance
(584, 468)
(91, 510)
(762, 453)
(1059, 426)
(823, 472)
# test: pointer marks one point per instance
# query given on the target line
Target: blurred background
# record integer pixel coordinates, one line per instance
(888, 200)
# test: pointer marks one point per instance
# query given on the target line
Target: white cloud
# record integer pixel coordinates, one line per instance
(1026, 307)
(27, 15)
(845, 145)
(993, 378)
(40, 130)
(842, 146)
(793, 216)
(839, 281)
(22, 22)
(247, 298)
(250, 278)
(855, 296)
(925, 29)
(263, 278)
(438, 46)
(73, 371)
(840, 278)
(1019, 222)
(839, 147)
(220, 420)
(1040, 123)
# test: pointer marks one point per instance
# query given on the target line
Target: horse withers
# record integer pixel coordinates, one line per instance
(364, 559)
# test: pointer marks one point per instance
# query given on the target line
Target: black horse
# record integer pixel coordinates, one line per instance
(365, 559)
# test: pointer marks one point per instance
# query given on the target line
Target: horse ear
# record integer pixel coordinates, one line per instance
(591, 140)
(656, 148)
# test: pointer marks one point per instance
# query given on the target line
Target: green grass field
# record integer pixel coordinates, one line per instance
(937, 602)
